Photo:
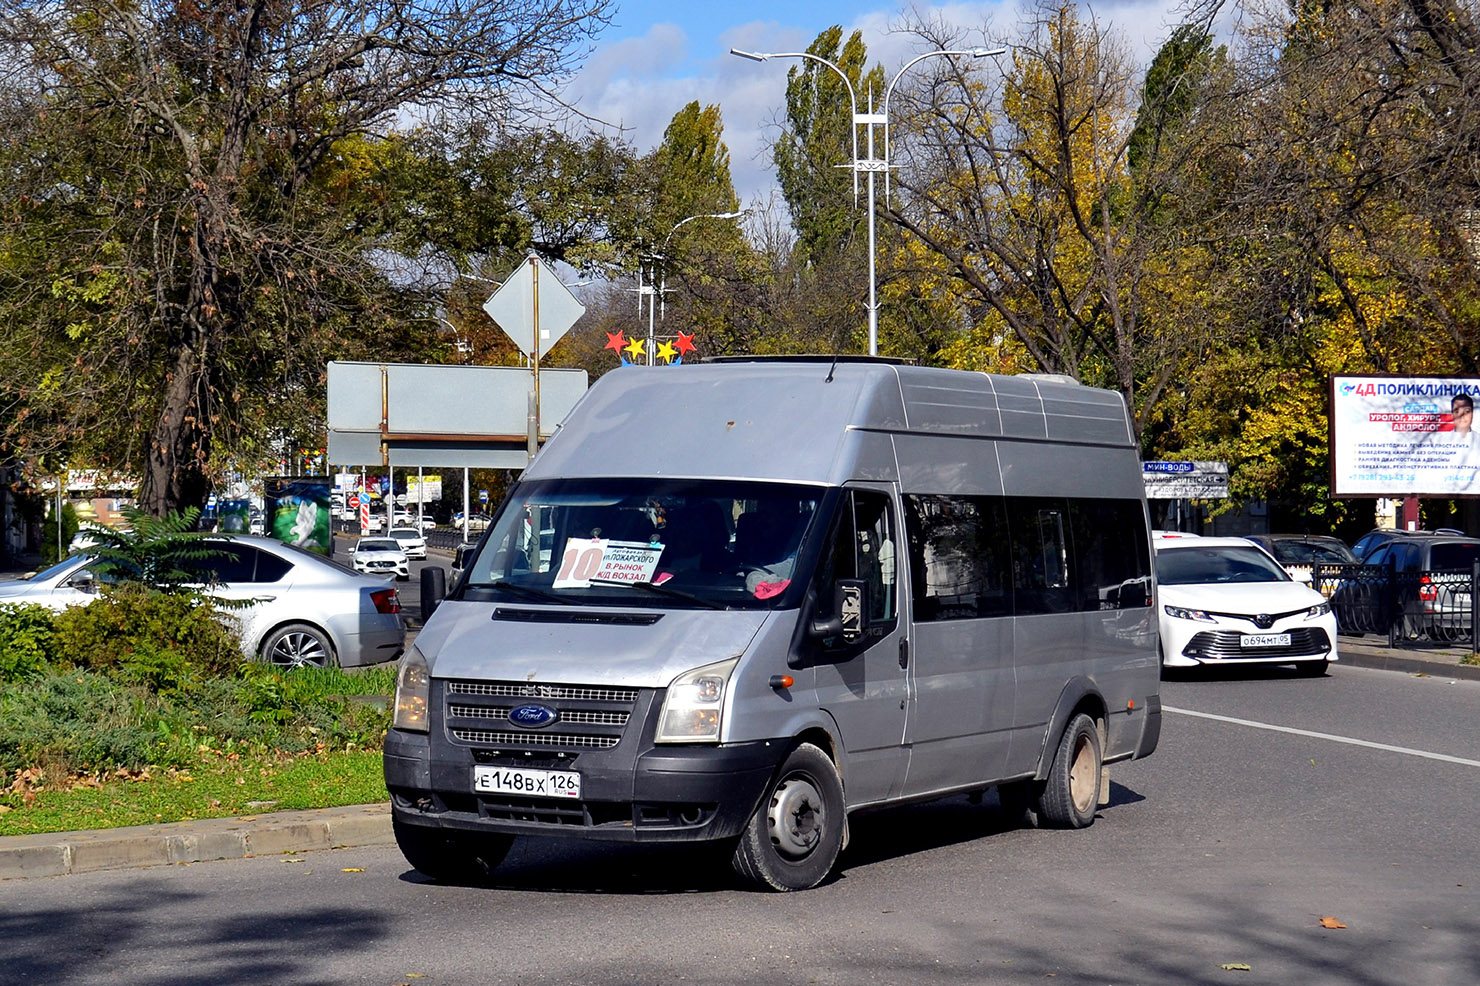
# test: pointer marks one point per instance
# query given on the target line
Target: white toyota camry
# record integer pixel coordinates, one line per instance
(1227, 601)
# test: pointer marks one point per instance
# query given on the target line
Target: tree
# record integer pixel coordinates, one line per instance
(173, 199)
(1056, 242)
(814, 156)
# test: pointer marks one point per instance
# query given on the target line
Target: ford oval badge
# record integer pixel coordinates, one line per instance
(532, 716)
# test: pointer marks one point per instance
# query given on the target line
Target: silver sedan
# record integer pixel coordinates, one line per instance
(300, 608)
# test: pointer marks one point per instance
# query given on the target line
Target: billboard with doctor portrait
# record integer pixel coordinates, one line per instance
(1396, 436)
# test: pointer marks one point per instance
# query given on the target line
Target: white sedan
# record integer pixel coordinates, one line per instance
(1227, 601)
(380, 556)
(411, 540)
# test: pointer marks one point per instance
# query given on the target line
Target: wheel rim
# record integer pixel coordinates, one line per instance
(1082, 774)
(796, 818)
(299, 649)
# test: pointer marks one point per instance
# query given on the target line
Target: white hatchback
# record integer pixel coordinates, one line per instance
(1227, 601)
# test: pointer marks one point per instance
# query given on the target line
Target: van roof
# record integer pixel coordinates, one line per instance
(788, 420)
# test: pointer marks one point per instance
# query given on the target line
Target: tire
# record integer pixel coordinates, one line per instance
(796, 833)
(299, 645)
(450, 857)
(1312, 669)
(1070, 795)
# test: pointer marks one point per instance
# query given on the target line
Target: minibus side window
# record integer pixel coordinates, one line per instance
(959, 557)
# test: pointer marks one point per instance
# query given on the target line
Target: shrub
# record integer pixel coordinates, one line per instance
(133, 619)
(78, 721)
(27, 641)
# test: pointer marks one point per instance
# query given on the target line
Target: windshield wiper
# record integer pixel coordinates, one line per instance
(663, 590)
(530, 591)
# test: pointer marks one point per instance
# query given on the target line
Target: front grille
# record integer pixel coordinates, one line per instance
(571, 740)
(573, 716)
(1223, 645)
(587, 717)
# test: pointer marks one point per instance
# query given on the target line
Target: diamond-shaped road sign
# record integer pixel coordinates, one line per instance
(513, 307)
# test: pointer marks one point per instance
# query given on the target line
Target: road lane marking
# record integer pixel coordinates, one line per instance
(1326, 736)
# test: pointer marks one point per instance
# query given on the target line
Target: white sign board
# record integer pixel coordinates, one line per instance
(585, 560)
(424, 489)
(1396, 436)
(513, 307)
(1185, 480)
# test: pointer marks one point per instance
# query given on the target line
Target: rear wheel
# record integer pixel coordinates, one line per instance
(298, 645)
(450, 857)
(796, 833)
(1071, 793)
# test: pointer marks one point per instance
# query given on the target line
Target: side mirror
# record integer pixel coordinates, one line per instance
(84, 581)
(850, 609)
(433, 590)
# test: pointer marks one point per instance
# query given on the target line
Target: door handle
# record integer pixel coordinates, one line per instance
(904, 652)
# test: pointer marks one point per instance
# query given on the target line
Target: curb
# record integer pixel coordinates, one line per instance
(60, 853)
(1439, 664)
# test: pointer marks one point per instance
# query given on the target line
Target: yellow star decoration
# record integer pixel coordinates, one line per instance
(637, 347)
(666, 351)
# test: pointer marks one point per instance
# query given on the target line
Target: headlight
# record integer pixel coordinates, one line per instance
(1183, 613)
(413, 692)
(1318, 610)
(692, 709)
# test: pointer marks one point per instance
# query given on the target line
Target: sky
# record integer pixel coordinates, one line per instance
(659, 55)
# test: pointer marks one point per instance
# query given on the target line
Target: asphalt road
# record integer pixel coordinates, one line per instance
(1273, 802)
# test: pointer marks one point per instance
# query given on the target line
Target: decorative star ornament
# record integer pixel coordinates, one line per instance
(637, 347)
(685, 343)
(666, 352)
(616, 341)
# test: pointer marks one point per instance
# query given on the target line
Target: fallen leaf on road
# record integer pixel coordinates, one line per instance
(292, 859)
(1331, 923)
(361, 869)
(1236, 967)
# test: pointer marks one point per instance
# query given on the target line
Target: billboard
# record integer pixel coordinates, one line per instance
(1396, 436)
(298, 511)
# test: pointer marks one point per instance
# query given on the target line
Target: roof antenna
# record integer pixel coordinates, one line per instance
(837, 351)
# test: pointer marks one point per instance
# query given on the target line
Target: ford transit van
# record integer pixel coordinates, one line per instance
(737, 602)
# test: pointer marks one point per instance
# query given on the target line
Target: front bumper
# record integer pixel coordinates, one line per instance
(634, 791)
(1187, 644)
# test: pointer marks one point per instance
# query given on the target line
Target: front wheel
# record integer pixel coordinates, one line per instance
(796, 833)
(450, 857)
(298, 645)
(1071, 793)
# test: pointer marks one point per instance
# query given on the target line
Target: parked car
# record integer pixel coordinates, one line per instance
(304, 609)
(380, 556)
(1369, 542)
(461, 556)
(1298, 552)
(1425, 582)
(411, 541)
(1228, 601)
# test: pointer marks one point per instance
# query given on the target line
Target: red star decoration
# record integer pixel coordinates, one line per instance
(684, 343)
(617, 342)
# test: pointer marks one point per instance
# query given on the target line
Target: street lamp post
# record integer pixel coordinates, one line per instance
(870, 165)
(654, 286)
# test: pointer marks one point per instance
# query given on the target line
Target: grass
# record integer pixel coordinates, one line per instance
(220, 785)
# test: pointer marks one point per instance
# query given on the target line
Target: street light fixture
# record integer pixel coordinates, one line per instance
(869, 165)
(650, 288)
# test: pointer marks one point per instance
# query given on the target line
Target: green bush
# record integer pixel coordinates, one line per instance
(78, 721)
(27, 641)
(132, 619)
(53, 548)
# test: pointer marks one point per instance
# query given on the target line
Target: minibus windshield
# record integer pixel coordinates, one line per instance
(712, 544)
